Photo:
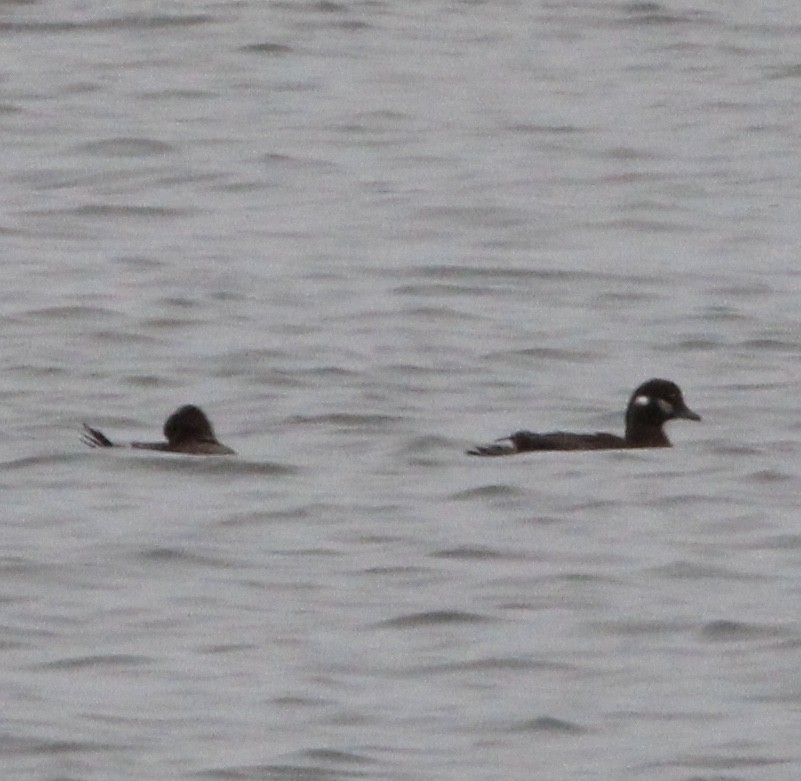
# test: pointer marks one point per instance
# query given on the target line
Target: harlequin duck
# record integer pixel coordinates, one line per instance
(187, 430)
(652, 405)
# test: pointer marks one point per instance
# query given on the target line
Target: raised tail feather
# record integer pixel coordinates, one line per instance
(92, 437)
(503, 447)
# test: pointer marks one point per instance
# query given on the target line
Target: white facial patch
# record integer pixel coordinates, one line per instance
(642, 401)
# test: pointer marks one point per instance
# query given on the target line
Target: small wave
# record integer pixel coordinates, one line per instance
(267, 47)
(280, 772)
(347, 419)
(434, 618)
(94, 662)
(10, 746)
(480, 552)
(130, 22)
(491, 491)
(550, 725)
(125, 147)
(726, 630)
(687, 570)
(210, 465)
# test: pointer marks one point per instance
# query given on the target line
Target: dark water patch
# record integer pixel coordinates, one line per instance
(726, 631)
(336, 757)
(40, 636)
(455, 271)
(650, 226)
(328, 372)
(689, 570)
(303, 702)
(616, 298)
(550, 726)
(226, 648)
(261, 518)
(494, 664)
(122, 210)
(778, 542)
(384, 571)
(670, 715)
(639, 628)
(543, 520)
(41, 460)
(371, 538)
(536, 129)
(131, 22)
(321, 770)
(313, 511)
(434, 618)
(95, 662)
(172, 94)
(477, 552)
(177, 556)
(692, 344)
(150, 380)
(266, 47)
(354, 25)
(178, 302)
(596, 505)
(768, 476)
(426, 444)
(768, 344)
(744, 290)
(721, 313)
(719, 762)
(11, 745)
(778, 73)
(168, 323)
(62, 313)
(207, 465)
(348, 420)
(436, 290)
(644, 12)
(319, 552)
(328, 7)
(126, 337)
(126, 147)
(154, 21)
(104, 210)
(276, 162)
(282, 772)
(248, 362)
(630, 153)
(546, 354)
(474, 216)
(492, 491)
(437, 313)
(689, 500)
(16, 565)
(584, 577)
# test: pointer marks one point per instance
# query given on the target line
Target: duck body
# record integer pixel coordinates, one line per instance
(187, 431)
(652, 404)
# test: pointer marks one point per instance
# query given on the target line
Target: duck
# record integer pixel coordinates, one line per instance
(188, 430)
(652, 404)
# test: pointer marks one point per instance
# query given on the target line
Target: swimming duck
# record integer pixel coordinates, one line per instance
(652, 405)
(187, 430)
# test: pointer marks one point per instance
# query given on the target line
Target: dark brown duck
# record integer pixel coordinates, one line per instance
(187, 430)
(652, 405)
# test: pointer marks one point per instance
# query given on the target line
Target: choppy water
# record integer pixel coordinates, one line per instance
(364, 236)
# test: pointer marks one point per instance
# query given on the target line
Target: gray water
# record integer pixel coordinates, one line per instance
(364, 236)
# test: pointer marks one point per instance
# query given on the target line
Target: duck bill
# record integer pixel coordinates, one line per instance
(687, 414)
